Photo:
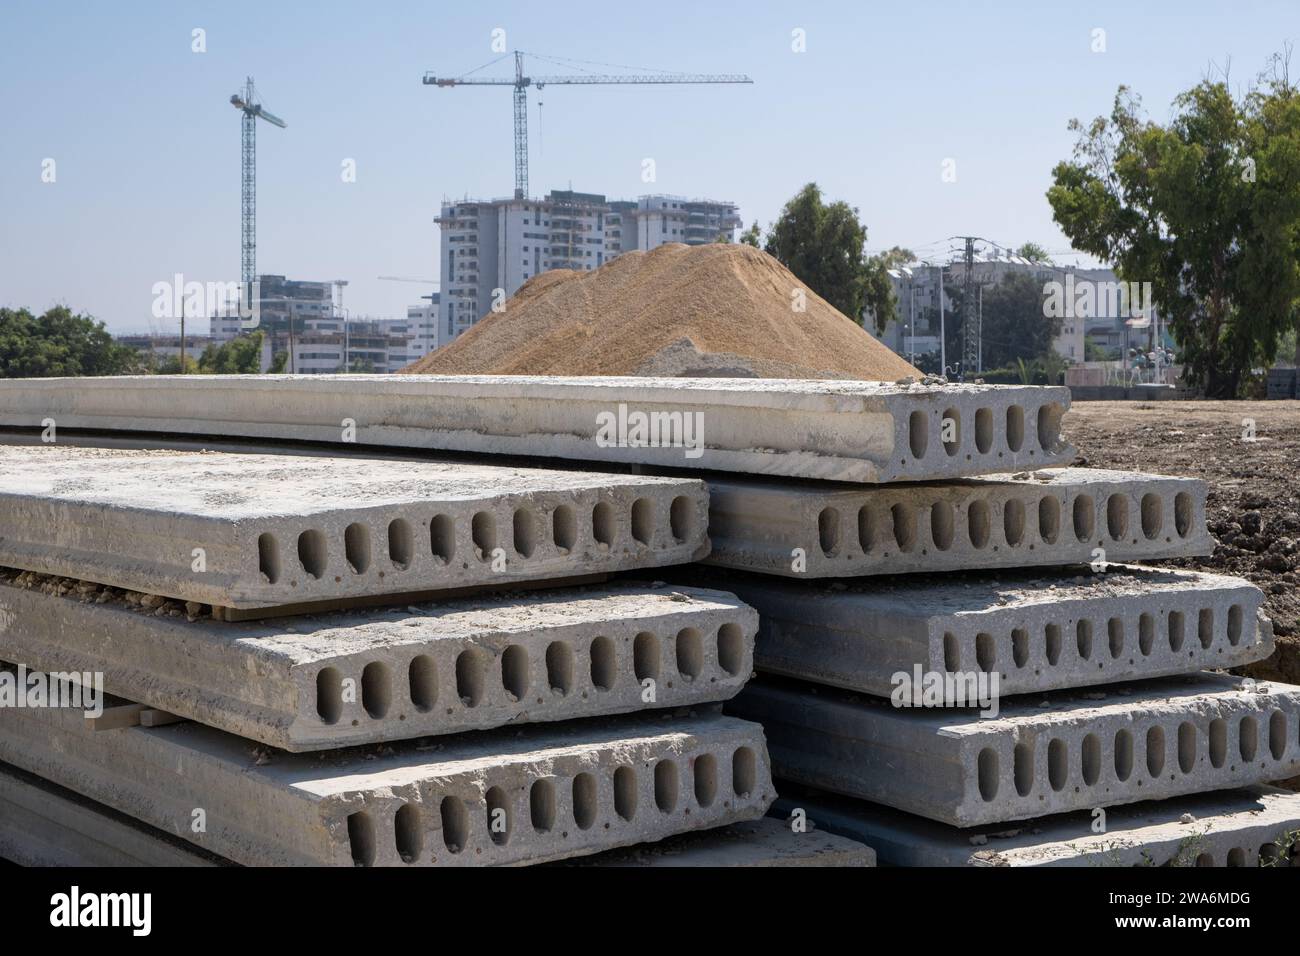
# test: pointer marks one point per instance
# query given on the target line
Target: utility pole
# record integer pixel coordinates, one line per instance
(970, 333)
(943, 338)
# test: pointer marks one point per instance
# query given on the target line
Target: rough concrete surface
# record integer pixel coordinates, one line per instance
(249, 531)
(519, 795)
(755, 843)
(340, 679)
(842, 431)
(1037, 632)
(1052, 516)
(46, 825)
(1040, 754)
(1255, 826)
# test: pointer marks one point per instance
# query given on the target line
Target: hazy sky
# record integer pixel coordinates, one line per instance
(146, 144)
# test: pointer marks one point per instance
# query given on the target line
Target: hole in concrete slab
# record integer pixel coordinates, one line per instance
(400, 548)
(442, 537)
(356, 547)
(690, 652)
(744, 772)
(987, 767)
(602, 663)
(541, 805)
(1176, 626)
(470, 682)
(1205, 627)
(602, 523)
(1183, 513)
(645, 657)
(951, 653)
(1083, 517)
(1013, 521)
(1153, 515)
(1052, 640)
(705, 770)
(950, 431)
(1234, 624)
(1269, 854)
(498, 816)
(866, 529)
(376, 689)
(525, 532)
(1115, 636)
(268, 557)
(584, 800)
(1277, 734)
(455, 823)
(1049, 426)
(483, 530)
(681, 518)
(311, 552)
(904, 522)
(408, 833)
(731, 648)
(1186, 746)
(1123, 755)
(1015, 427)
(1236, 856)
(918, 433)
(984, 430)
(828, 530)
(941, 525)
(1049, 519)
(1023, 768)
(1248, 738)
(559, 667)
(666, 786)
(564, 527)
(1083, 639)
(625, 792)
(1205, 859)
(978, 523)
(329, 694)
(643, 520)
(361, 838)
(1155, 751)
(514, 670)
(1020, 646)
(1146, 633)
(422, 675)
(1218, 742)
(1091, 760)
(1117, 517)
(985, 652)
(1057, 764)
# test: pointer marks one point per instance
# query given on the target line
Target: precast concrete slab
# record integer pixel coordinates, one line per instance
(45, 825)
(1047, 517)
(1037, 755)
(1037, 631)
(1255, 826)
(841, 431)
(515, 796)
(255, 531)
(335, 680)
(755, 843)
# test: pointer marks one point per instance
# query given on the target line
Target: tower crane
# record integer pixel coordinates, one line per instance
(522, 81)
(247, 103)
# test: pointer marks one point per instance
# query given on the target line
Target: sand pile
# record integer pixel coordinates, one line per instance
(718, 310)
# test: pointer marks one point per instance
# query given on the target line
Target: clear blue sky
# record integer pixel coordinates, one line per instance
(147, 145)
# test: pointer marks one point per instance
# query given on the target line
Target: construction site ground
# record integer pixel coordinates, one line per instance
(1249, 453)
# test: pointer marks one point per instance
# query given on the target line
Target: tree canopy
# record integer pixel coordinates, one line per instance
(58, 343)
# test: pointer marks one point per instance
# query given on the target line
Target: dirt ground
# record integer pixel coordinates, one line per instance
(1253, 509)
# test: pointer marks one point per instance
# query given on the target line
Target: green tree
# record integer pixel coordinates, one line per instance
(239, 356)
(822, 243)
(59, 343)
(752, 236)
(1033, 252)
(1206, 209)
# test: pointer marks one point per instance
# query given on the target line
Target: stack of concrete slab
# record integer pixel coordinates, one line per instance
(227, 604)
